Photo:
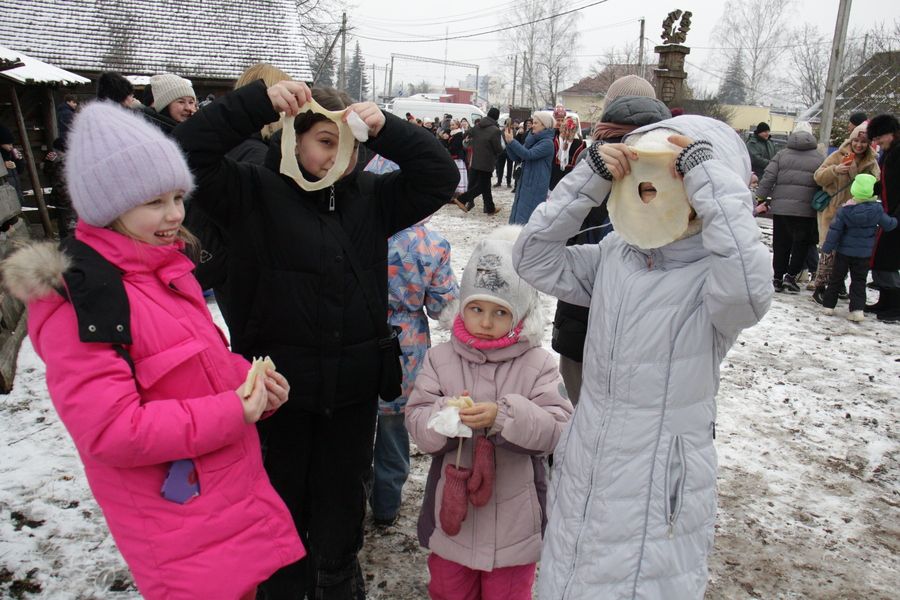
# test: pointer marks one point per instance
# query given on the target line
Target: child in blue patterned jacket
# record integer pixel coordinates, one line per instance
(421, 283)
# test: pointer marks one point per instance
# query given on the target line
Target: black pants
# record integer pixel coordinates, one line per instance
(859, 270)
(791, 238)
(504, 162)
(318, 465)
(479, 185)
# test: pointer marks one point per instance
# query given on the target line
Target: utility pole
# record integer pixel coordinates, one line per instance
(446, 33)
(342, 82)
(386, 92)
(390, 90)
(524, 70)
(515, 73)
(641, 51)
(834, 67)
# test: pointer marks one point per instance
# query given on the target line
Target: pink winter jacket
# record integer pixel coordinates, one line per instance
(525, 383)
(180, 403)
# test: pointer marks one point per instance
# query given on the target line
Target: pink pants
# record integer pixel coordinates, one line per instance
(452, 581)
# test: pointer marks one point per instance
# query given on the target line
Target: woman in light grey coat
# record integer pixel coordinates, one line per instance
(633, 494)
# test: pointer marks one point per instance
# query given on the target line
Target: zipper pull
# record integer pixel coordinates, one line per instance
(331, 199)
(671, 531)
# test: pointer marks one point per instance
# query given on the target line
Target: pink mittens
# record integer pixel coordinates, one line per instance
(481, 484)
(454, 504)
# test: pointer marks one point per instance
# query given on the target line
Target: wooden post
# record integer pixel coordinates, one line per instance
(32, 167)
(832, 83)
(50, 119)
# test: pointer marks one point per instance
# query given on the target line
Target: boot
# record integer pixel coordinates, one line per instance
(454, 500)
(778, 285)
(880, 305)
(790, 284)
(890, 311)
(819, 296)
(481, 484)
(856, 316)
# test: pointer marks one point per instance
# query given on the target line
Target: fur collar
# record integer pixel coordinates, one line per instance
(34, 271)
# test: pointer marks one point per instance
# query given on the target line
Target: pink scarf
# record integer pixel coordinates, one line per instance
(463, 335)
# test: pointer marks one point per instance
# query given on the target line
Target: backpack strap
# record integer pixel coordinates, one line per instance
(94, 287)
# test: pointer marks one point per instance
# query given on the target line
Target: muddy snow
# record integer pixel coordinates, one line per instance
(807, 437)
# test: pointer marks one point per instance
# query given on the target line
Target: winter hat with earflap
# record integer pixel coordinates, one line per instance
(863, 188)
(167, 88)
(118, 161)
(545, 117)
(489, 275)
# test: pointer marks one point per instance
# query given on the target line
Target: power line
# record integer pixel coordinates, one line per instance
(508, 27)
(465, 16)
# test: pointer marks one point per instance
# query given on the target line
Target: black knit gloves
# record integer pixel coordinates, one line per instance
(596, 161)
(692, 156)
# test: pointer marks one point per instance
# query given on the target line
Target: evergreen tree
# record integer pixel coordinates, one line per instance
(321, 57)
(357, 82)
(734, 88)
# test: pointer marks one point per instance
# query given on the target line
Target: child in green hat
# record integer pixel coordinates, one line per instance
(853, 233)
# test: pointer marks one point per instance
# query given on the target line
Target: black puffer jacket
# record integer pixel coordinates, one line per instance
(486, 146)
(292, 293)
(570, 322)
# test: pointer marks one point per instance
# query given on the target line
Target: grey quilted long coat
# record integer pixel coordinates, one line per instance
(632, 501)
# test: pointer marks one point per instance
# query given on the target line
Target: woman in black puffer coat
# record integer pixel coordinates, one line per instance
(295, 296)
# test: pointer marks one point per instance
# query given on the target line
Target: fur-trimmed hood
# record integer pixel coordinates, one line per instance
(34, 271)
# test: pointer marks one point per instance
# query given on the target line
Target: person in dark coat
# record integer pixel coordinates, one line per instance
(884, 130)
(65, 112)
(307, 282)
(484, 139)
(12, 160)
(630, 103)
(789, 179)
(761, 149)
(212, 264)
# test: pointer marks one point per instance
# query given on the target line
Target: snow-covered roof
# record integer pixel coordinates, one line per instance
(874, 88)
(207, 39)
(33, 71)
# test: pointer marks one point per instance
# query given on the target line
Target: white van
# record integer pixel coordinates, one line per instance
(425, 109)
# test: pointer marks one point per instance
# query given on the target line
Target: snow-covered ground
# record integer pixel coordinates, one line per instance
(808, 479)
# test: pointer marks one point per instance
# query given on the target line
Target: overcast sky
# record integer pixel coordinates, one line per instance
(609, 24)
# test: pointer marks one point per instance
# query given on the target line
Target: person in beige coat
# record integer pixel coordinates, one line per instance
(855, 156)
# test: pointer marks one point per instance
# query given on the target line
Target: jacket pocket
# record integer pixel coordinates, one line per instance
(674, 484)
(150, 369)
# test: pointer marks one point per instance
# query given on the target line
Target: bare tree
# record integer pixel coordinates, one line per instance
(545, 48)
(809, 64)
(755, 29)
(620, 61)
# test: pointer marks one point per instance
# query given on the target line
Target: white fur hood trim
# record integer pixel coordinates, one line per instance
(34, 271)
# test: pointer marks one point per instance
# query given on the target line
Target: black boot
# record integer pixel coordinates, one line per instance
(790, 284)
(891, 309)
(880, 304)
(819, 296)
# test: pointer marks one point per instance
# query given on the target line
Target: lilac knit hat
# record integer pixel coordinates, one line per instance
(117, 161)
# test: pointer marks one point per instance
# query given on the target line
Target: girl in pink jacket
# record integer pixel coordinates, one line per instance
(483, 518)
(142, 378)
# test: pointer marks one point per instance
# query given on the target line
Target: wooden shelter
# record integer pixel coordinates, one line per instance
(24, 77)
